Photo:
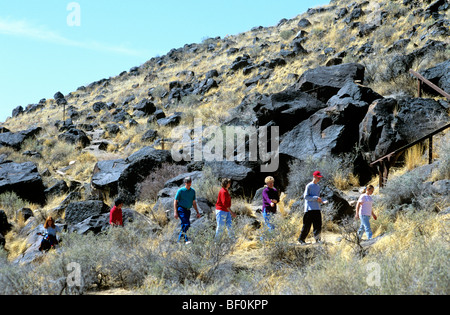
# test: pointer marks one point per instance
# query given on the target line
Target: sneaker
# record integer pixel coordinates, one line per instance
(301, 242)
(188, 242)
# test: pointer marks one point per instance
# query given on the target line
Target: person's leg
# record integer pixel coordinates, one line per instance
(221, 220)
(317, 224)
(365, 220)
(184, 215)
(268, 216)
(306, 226)
(229, 222)
(361, 229)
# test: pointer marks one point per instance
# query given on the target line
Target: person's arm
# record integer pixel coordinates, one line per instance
(194, 204)
(265, 195)
(228, 204)
(277, 198)
(175, 209)
(309, 197)
(358, 206)
(374, 216)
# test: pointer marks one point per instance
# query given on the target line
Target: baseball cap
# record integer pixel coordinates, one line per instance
(317, 174)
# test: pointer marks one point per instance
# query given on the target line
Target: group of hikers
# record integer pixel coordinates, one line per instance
(185, 199)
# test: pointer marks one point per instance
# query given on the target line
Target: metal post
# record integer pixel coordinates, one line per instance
(419, 89)
(430, 150)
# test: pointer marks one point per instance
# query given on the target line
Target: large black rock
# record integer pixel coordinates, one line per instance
(15, 139)
(77, 212)
(439, 75)
(123, 175)
(24, 180)
(390, 124)
(324, 82)
(106, 175)
(76, 137)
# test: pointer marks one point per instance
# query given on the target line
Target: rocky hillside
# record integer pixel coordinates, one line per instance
(334, 80)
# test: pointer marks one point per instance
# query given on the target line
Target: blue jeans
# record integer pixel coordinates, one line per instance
(268, 219)
(365, 226)
(185, 216)
(223, 218)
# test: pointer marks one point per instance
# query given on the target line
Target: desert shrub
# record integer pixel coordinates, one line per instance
(119, 257)
(337, 172)
(287, 34)
(10, 202)
(198, 261)
(60, 154)
(443, 149)
(149, 188)
(209, 186)
(401, 190)
(281, 247)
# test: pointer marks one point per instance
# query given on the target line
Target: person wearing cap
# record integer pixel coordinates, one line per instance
(313, 215)
(185, 199)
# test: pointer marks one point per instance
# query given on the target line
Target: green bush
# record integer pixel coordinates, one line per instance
(334, 170)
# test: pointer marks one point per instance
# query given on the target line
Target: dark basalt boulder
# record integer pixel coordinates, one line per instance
(324, 82)
(24, 180)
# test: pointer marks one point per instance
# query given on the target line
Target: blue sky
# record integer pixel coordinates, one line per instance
(41, 53)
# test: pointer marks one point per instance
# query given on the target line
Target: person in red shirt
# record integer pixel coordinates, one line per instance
(115, 215)
(224, 214)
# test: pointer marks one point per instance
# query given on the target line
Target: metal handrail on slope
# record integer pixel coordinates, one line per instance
(387, 160)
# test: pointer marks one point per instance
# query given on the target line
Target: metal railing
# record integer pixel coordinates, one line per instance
(384, 163)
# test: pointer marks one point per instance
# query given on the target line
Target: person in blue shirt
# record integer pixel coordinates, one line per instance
(49, 239)
(185, 199)
(313, 215)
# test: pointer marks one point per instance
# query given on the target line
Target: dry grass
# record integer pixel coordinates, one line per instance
(412, 254)
(415, 156)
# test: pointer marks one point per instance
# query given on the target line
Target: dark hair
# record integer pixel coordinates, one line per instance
(118, 201)
(46, 224)
(225, 182)
(187, 180)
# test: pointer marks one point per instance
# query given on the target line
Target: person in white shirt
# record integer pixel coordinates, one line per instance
(364, 211)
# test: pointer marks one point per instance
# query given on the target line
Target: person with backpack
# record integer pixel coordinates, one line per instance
(364, 211)
(185, 199)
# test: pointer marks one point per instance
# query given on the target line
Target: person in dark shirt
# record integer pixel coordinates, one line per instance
(270, 198)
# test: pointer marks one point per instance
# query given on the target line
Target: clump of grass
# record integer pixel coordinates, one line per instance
(11, 202)
(337, 173)
(209, 186)
(414, 157)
